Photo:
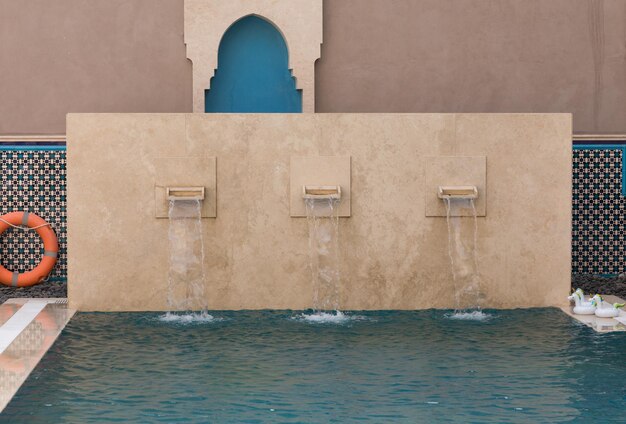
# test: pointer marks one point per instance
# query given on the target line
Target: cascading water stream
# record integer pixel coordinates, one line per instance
(186, 277)
(463, 258)
(323, 223)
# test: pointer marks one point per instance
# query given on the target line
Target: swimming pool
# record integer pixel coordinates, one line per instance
(534, 365)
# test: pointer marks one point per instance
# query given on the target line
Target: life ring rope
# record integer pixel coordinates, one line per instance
(24, 228)
(30, 221)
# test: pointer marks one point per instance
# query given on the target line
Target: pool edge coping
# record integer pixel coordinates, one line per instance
(601, 325)
(19, 323)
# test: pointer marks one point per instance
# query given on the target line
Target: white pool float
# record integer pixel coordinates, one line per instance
(605, 309)
(584, 302)
(582, 306)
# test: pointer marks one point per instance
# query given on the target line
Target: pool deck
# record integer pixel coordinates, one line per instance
(28, 327)
(601, 325)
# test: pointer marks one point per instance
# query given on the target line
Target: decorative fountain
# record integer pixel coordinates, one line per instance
(389, 168)
(463, 257)
(186, 276)
(322, 207)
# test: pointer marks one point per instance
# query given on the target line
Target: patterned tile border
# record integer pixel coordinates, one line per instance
(32, 178)
(599, 208)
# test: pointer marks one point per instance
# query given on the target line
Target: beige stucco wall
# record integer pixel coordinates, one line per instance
(477, 56)
(89, 56)
(377, 56)
(392, 255)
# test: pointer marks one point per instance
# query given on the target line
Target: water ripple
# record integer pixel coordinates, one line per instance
(277, 367)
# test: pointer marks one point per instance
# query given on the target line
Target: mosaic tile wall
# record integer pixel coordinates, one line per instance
(34, 181)
(599, 211)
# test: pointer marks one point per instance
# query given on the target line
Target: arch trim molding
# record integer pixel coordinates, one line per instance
(299, 21)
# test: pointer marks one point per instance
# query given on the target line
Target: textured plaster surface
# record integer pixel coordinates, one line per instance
(89, 56)
(300, 22)
(473, 56)
(377, 56)
(392, 255)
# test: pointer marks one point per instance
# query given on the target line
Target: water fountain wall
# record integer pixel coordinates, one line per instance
(393, 252)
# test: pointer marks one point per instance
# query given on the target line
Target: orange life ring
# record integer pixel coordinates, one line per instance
(50, 246)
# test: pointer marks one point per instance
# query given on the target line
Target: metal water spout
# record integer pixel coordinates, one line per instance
(184, 193)
(321, 192)
(457, 192)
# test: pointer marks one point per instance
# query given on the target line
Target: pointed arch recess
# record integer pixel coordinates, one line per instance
(253, 74)
(298, 21)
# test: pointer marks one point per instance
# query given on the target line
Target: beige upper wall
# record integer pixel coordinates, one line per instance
(378, 55)
(89, 56)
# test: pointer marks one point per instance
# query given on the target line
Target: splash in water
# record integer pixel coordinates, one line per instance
(337, 317)
(188, 318)
(475, 315)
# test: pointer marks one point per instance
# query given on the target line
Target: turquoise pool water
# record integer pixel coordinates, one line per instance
(273, 367)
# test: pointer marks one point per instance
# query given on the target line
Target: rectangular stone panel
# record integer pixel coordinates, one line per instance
(454, 171)
(185, 172)
(319, 171)
(391, 255)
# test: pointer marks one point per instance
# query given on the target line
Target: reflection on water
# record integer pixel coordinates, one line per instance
(531, 366)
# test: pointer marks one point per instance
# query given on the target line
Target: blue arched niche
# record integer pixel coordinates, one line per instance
(252, 72)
